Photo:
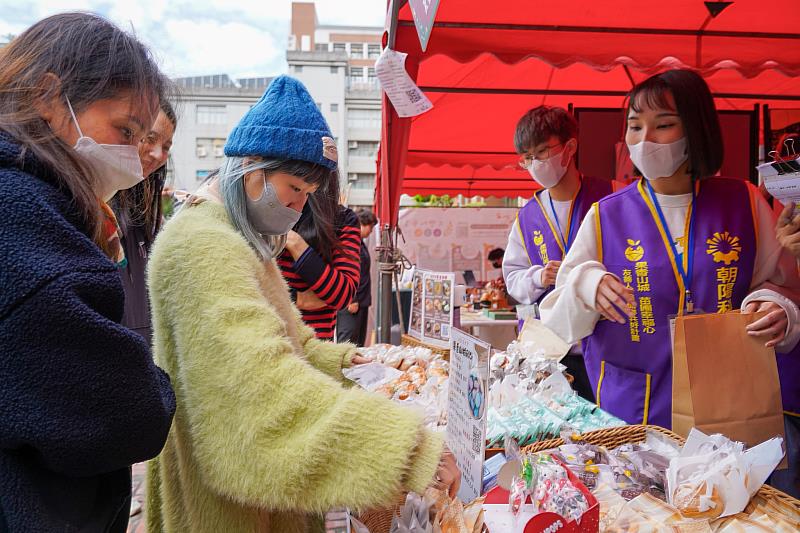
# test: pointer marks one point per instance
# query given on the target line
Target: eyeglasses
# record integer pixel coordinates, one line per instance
(542, 154)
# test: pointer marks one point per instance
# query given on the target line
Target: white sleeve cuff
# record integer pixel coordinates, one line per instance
(792, 313)
(537, 278)
(587, 278)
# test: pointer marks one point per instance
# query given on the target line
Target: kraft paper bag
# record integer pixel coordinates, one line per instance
(724, 381)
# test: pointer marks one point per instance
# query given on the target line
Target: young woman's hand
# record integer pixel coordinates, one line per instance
(308, 301)
(611, 292)
(787, 230)
(448, 476)
(352, 308)
(772, 326)
(359, 360)
(295, 244)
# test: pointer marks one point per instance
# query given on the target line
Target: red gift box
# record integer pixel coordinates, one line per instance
(552, 522)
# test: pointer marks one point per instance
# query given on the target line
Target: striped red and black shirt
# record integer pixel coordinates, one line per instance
(334, 283)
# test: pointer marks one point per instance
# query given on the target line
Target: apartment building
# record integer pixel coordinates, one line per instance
(208, 108)
(337, 64)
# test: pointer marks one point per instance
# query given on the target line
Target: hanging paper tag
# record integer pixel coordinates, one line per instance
(424, 12)
(407, 99)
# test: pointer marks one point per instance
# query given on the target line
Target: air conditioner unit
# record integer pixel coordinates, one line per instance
(218, 151)
(353, 144)
(201, 151)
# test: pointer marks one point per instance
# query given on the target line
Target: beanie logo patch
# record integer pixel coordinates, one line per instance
(329, 150)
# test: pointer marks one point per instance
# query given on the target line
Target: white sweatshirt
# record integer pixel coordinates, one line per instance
(570, 309)
(524, 280)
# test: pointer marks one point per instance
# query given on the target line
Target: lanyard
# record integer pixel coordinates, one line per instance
(685, 266)
(564, 239)
(563, 243)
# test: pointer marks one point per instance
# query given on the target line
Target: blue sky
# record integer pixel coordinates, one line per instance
(242, 38)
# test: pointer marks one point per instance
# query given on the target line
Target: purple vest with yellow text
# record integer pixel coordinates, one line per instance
(539, 233)
(630, 365)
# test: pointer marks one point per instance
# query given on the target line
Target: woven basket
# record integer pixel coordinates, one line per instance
(614, 437)
(380, 520)
(408, 340)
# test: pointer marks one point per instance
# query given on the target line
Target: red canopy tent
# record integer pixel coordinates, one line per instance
(488, 63)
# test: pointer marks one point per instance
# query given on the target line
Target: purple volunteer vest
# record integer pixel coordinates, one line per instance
(630, 365)
(789, 372)
(540, 234)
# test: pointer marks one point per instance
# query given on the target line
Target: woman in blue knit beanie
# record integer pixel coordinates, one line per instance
(266, 437)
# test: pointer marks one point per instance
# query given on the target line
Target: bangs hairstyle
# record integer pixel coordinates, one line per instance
(694, 105)
(540, 123)
(92, 60)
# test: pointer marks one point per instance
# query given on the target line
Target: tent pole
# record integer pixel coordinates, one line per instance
(386, 252)
(386, 269)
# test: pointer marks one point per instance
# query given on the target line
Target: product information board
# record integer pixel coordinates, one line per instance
(432, 307)
(466, 409)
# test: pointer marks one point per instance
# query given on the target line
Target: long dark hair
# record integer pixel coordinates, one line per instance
(320, 222)
(93, 60)
(695, 106)
(141, 205)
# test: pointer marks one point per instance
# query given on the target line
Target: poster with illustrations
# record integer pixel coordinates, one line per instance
(455, 240)
(432, 307)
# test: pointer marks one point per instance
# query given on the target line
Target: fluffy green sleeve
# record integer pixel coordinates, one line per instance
(327, 357)
(267, 428)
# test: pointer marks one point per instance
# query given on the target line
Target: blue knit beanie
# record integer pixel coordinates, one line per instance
(286, 124)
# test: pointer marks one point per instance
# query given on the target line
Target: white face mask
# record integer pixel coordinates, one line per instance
(117, 166)
(549, 172)
(656, 160)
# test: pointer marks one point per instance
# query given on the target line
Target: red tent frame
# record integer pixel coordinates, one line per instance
(486, 64)
(504, 61)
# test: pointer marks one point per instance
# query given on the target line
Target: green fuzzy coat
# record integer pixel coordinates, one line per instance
(265, 438)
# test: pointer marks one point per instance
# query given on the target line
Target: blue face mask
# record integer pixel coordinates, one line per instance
(268, 215)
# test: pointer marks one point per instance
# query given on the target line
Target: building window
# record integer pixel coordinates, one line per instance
(356, 72)
(321, 47)
(334, 70)
(371, 75)
(298, 69)
(334, 108)
(319, 106)
(363, 181)
(364, 118)
(374, 51)
(218, 147)
(211, 114)
(362, 148)
(339, 47)
(210, 147)
(356, 50)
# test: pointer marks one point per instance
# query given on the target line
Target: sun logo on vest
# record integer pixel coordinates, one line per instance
(538, 240)
(634, 252)
(723, 247)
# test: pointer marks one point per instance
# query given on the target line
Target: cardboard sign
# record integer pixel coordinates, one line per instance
(466, 409)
